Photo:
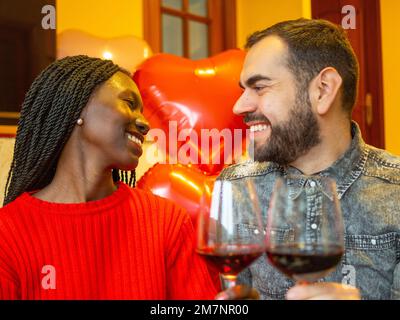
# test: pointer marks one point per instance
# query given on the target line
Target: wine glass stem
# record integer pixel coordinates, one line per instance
(227, 281)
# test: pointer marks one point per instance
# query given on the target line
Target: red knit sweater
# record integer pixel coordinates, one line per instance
(129, 245)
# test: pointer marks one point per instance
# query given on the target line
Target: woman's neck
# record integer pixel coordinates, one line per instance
(79, 178)
(62, 190)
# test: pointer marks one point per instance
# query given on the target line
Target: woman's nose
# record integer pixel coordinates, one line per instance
(142, 125)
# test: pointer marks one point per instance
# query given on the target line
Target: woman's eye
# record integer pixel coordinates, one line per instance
(131, 104)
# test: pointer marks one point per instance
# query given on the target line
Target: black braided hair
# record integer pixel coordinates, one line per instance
(49, 113)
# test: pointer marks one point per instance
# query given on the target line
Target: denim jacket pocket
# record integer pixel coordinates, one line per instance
(372, 258)
(271, 283)
(283, 235)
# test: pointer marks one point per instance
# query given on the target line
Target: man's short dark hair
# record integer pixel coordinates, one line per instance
(312, 46)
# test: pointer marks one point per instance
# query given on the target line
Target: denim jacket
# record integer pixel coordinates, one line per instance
(368, 186)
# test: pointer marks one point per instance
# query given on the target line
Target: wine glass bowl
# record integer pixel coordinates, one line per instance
(307, 209)
(221, 239)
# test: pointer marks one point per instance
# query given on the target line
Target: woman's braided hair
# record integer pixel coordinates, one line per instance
(49, 113)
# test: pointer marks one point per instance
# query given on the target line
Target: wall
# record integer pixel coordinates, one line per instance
(253, 15)
(103, 18)
(6, 152)
(390, 11)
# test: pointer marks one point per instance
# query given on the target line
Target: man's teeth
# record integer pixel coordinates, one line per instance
(258, 127)
(134, 139)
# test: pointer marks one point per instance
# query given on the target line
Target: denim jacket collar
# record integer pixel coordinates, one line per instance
(349, 166)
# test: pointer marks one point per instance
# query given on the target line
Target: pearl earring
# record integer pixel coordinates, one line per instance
(79, 122)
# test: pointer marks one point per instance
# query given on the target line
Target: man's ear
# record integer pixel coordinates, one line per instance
(324, 89)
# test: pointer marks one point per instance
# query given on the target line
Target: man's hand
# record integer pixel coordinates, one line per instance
(323, 291)
(240, 292)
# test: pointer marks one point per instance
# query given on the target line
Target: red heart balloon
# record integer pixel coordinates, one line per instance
(196, 95)
(184, 185)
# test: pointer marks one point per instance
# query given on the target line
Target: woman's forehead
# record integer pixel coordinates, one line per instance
(121, 82)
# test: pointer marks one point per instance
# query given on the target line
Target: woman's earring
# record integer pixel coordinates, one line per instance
(79, 122)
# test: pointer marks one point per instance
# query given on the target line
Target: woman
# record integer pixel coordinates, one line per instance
(70, 228)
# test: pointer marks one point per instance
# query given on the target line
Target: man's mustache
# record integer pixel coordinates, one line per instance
(255, 117)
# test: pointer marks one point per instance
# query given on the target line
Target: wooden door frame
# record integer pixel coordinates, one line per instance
(371, 68)
(223, 34)
(373, 51)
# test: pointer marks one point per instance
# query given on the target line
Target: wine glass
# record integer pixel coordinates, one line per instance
(305, 228)
(223, 232)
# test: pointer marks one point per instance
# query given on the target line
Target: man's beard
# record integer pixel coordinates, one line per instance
(291, 139)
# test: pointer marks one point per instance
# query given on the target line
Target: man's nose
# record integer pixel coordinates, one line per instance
(245, 104)
(142, 125)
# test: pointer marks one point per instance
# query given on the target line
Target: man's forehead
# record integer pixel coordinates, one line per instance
(268, 55)
(271, 43)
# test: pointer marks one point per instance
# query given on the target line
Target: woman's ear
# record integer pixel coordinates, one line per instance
(324, 89)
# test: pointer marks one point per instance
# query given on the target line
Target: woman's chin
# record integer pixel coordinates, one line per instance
(128, 165)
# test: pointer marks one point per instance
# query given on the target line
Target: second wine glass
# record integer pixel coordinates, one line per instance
(221, 236)
(305, 229)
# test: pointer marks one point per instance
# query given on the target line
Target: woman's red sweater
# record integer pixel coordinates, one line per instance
(129, 245)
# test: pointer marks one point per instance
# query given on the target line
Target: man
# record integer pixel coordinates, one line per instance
(299, 84)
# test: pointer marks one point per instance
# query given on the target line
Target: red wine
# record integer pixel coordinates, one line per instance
(308, 264)
(231, 259)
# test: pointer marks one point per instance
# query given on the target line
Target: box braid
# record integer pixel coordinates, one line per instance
(49, 113)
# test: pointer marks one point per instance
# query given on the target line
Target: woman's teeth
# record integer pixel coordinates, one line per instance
(134, 139)
(258, 127)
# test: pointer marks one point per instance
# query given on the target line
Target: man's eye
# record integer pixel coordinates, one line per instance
(257, 89)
